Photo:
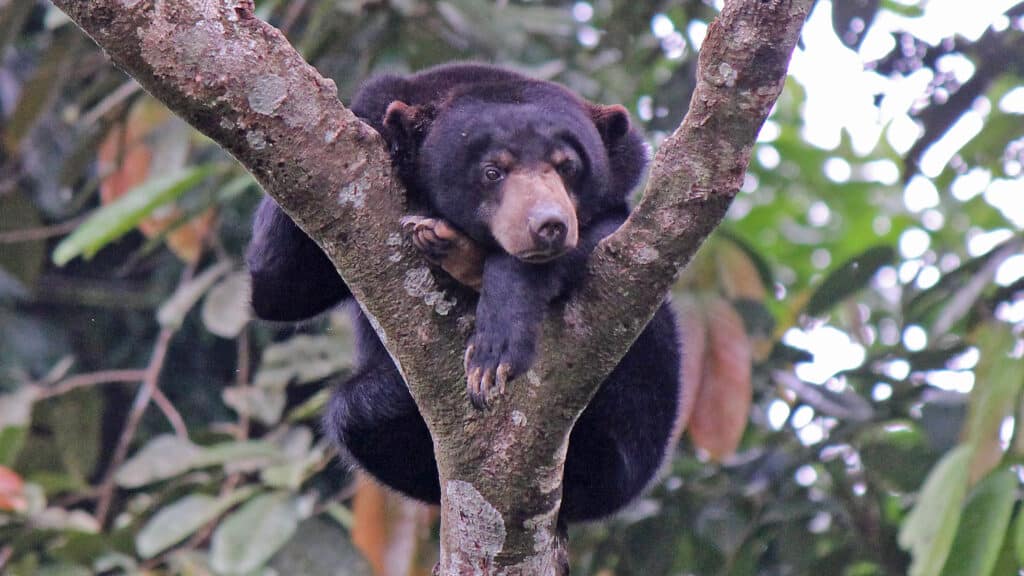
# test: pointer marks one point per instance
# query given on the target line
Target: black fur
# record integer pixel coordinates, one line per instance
(623, 436)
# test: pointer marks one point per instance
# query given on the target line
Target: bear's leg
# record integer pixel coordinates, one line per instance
(374, 420)
(514, 297)
(292, 279)
(628, 429)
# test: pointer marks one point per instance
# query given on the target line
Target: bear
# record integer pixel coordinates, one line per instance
(520, 179)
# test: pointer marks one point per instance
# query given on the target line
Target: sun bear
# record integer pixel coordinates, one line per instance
(521, 179)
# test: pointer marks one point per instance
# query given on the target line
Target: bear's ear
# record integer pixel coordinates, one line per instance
(612, 122)
(406, 124)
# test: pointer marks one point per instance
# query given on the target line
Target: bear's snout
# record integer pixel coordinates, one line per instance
(548, 227)
(535, 219)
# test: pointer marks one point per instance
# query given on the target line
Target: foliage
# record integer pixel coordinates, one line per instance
(853, 330)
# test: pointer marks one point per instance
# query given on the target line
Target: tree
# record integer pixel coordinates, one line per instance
(237, 80)
(855, 319)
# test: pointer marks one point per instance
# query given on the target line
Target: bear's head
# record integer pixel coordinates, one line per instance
(522, 167)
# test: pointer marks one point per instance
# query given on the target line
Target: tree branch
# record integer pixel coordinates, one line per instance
(238, 80)
(694, 177)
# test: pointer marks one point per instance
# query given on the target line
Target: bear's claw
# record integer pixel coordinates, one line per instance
(475, 387)
(489, 368)
(432, 237)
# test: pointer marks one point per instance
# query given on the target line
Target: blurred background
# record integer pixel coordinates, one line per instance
(853, 327)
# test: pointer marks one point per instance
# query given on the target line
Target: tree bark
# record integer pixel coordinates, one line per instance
(236, 79)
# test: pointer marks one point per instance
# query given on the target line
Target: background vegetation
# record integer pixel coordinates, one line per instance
(853, 329)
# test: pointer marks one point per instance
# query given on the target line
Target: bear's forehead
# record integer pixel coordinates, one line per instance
(524, 128)
(514, 114)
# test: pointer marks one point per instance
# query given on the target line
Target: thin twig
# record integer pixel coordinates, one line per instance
(111, 101)
(961, 302)
(92, 379)
(294, 11)
(142, 399)
(40, 233)
(171, 413)
(242, 381)
(240, 432)
(9, 183)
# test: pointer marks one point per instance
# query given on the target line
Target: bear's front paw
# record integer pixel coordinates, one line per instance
(492, 361)
(446, 247)
(432, 237)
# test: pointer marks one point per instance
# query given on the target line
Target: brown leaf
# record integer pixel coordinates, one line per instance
(693, 329)
(390, 530)
(723, 399)
(127, 156)
(737, 273)
(12, 491)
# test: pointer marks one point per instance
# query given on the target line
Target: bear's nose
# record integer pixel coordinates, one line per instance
(548, 227)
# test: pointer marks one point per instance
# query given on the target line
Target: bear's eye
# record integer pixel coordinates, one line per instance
(493, 173)
(568, 169)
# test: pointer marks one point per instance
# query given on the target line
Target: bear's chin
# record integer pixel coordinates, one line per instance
(537, 257)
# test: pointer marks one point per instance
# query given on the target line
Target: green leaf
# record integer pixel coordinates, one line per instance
(63, 570)
(311, 408)
(163, 457)
(12, 439)
(998, 380)
(1006, 562)
(764, 269)
(983, 526)
(226, 308)
(302, 459)
(12, 18)
(182, 518)
(897, 453)
(850, 277)
(320, 548)
(265, 405)
(189, 563)
(304, 359)
(168, 456)
(243, 455)
(926, 301)
(15, 417)
(845, 14)
(62, 520)
(911, 11)
(1018, 538)
(250, 536)
(16, 407)
(116, 563)
(936, 357)
(114, 220)
(75, 437)
(928, 531)
(23, 261)
(37, 93)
